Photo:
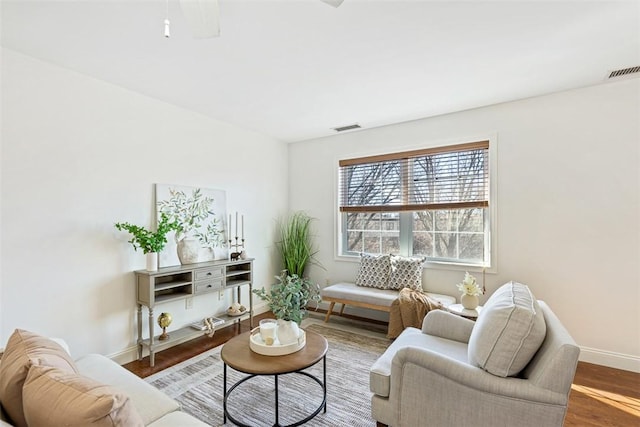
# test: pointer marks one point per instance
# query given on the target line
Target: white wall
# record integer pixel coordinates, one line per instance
(568, 205)
(80, 154)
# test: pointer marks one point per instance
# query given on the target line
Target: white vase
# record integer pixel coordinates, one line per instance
(470, 302)
(152, 261)
(188, 251)
(288, 332)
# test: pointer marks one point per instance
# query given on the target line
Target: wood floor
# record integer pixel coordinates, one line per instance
(600, 396)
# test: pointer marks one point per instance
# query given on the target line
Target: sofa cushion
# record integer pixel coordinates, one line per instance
(53, 397)
(150, 403)
(406, 272)
(24, 349)
(374, 271)
(380, 372)
(508, 332)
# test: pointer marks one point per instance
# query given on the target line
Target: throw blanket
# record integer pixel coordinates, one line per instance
(409, 309)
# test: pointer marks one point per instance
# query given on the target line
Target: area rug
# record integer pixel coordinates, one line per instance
(197, 384)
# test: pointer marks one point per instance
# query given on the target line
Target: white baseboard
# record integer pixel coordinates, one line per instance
(590, 355)
(130, 354)
(125, 356)
(626, 362)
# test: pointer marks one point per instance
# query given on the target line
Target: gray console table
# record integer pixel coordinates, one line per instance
(188, 281)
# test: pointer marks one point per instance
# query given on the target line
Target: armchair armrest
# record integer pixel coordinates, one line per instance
(447, 325)
(419, 366)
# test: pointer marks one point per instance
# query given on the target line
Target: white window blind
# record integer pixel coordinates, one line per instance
(451, 177)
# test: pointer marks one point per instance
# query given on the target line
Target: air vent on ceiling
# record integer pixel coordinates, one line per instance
(624, 72)
(348, 127)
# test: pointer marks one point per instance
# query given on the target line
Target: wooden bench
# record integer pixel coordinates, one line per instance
(365, 297)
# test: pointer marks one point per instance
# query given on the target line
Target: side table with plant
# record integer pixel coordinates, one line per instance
(151, 242)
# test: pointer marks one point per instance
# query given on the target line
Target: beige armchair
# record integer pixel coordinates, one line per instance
(514, 367)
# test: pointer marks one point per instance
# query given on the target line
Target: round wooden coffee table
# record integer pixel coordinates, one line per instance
(237, 354)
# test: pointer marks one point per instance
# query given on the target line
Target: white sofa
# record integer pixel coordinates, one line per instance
(129, 400)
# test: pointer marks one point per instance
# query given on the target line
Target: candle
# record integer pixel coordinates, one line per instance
(229, 228)
(242, 227)
(236, 224)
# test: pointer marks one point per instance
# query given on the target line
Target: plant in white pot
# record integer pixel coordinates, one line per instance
(288, 300)
(190, 213)
(470, 292)
(151, 242)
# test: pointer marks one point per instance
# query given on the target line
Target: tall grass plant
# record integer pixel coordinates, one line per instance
(295, 246)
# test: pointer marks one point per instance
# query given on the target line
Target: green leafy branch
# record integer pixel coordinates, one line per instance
(147, 240)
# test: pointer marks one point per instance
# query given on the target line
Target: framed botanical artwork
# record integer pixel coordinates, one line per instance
(199, 214)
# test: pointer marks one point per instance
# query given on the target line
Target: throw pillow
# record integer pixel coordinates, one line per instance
(53, 397)
(24, 349)
(508, 332)
(374, 271)
(406, 272)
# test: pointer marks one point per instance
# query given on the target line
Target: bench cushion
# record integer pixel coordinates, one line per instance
(373, 296)
(361, 294)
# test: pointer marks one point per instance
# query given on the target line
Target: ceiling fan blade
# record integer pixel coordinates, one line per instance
(203, 17)
(334, 3)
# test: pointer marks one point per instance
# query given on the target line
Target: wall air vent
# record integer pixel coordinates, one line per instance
(348, 127)
(625, 72)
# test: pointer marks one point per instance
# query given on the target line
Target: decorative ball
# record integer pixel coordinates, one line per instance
(164, 320)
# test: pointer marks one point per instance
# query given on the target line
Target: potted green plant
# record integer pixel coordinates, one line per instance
(151, 242)
(190, 213)
(288, 300)
(295, 245)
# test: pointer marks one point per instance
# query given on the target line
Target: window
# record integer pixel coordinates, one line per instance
(432, 202)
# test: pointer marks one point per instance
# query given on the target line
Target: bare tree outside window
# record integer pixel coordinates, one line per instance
(373, 232)
(449, 233)
(442, 195)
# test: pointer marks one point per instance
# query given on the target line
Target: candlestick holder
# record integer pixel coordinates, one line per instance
(239, 248)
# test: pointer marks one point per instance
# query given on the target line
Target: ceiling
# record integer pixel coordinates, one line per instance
(295, 69)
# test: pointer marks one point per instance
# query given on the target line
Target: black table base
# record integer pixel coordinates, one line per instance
(323, 404)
